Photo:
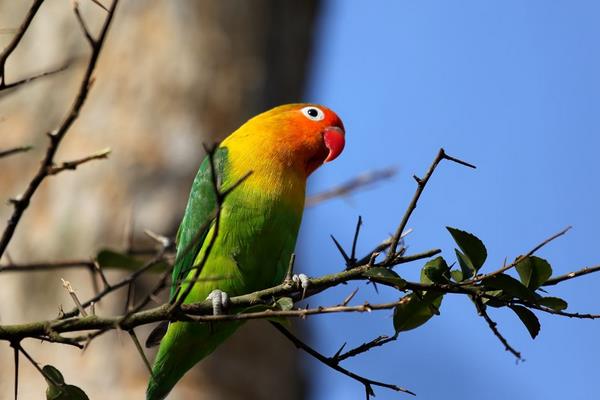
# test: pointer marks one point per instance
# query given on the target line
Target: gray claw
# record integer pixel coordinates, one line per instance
(220, 301)
(301, 280)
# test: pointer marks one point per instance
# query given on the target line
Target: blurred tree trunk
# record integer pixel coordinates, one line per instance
(173, 74)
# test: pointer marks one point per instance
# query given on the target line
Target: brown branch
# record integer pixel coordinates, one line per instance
(421, 183)
(494, 328)
(73, 164)
(571, 275)
(21, 204)
(367, 383)
(505, 268)
(35, 77)
(9, 152)
(363, 348)
(12, 45)
(46, 266)
(360, 182)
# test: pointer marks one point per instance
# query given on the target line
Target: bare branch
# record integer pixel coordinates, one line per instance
(421, 183)
(334, 365)
(16, 39)
(56, 137)
(494, 328)
(73, 164)
(8, 152)
(360, 182)
(571, 275)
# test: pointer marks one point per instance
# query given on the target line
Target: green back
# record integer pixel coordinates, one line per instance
(198, 217)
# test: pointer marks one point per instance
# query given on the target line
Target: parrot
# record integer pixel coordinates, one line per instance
(259, 220)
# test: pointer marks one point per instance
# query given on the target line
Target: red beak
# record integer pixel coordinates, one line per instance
(334, 140)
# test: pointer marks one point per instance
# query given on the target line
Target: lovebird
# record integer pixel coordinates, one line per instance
(258, 225)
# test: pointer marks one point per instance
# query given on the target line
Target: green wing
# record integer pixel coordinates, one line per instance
(198, 217)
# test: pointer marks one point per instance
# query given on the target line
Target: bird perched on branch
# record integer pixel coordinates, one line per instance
(239, 231)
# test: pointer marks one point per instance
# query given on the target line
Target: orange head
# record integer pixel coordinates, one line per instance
(301, 136)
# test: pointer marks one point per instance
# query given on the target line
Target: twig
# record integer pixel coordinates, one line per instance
(359, 182)
(73, 164)
(505, 268)
(46, 266)
(367, 383)
(140, 350)
(494, 328)
(421, 183)
(571, 275)
(35, 77)
(22, 149)
(16, 358)
(377, 342)
(12, 45)
(69, 288)
(21, 204)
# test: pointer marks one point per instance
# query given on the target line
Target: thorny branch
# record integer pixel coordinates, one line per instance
(22, 202)
(83, 319)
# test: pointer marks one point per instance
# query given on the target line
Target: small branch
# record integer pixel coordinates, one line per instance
(9, 152)
(363, 348)
(359, 182)
(367, 383)
(571, 275)
(35, 77)
(140, 350)
(102, 6)
(56, 137)
(16, 39)
(505, 268)
(83, 25)
(421, 183)
(73, 164)
(494, 328)
(16, 357)
(69, 288)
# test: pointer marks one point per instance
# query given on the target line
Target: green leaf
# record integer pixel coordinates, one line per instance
(284, 303)
(509, 286)
(470, 245)
(435, 271)
(534, 271)
(386, 276)
(466, 266)
(457, 275)
(529, 319)
(416, 310)
(493, 302)
(57, 389)
(554, 303)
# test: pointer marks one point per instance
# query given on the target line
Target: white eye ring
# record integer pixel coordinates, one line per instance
(313, 113)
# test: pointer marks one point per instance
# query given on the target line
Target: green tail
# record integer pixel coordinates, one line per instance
(182, 347)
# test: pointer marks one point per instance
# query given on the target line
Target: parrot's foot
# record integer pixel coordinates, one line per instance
(220, 301)
(301, 281)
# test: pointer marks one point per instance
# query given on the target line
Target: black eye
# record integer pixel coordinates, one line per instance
(313, 113)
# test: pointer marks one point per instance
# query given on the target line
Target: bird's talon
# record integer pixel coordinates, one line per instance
(220, 301)
(301, 280)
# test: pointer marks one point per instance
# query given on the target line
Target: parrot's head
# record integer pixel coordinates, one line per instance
(300, 136)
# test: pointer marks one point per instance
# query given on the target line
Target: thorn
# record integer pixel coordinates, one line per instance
(341, 250)
(69, 288)
(349, 297)
(160, 239)
(337, 353)
(290, 271)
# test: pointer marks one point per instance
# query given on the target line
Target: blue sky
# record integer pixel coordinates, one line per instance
(511, 86)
